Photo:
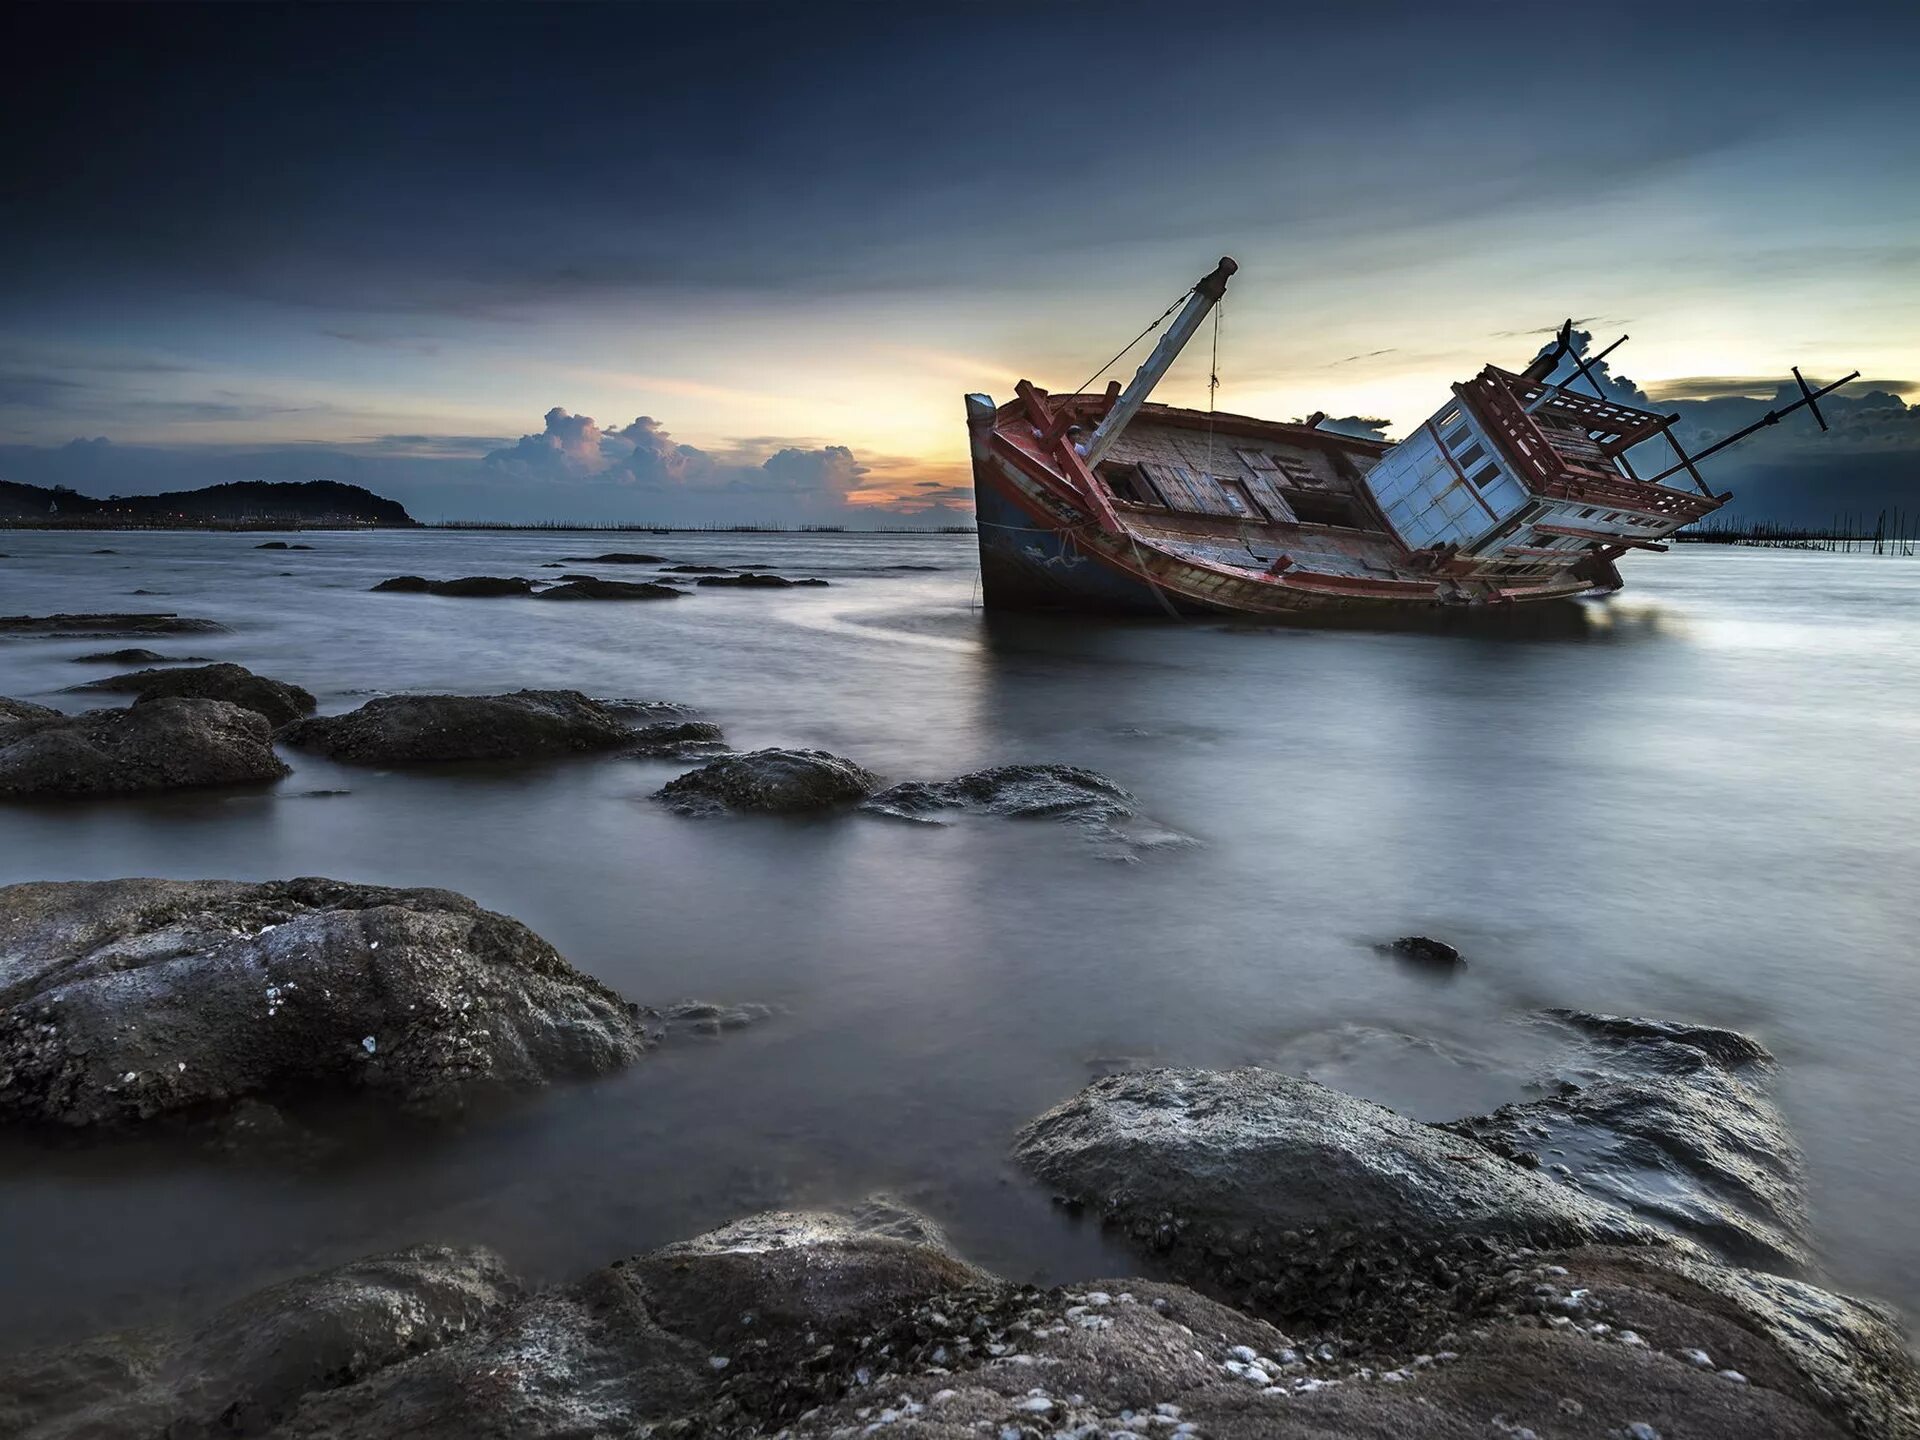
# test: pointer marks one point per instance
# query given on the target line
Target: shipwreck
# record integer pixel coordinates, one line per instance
(1522, 487)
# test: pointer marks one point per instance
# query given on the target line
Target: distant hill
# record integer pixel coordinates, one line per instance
(240, 503)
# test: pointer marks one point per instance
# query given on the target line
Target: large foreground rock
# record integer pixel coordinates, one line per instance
(815, 1325)
(106, 626)
(412, 729)
(1674, 1123)
(247, 1366)
(1312, 1201)
(122, 1000)
(769, 782)
(162, 744)
(280, 702)
(15, 712)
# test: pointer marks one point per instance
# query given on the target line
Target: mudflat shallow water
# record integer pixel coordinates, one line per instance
(1699, 802)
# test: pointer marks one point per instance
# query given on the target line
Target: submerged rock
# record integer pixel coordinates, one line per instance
(616, 557)
(412, 729)
(1053, 792)
(106, 626)
(135, 656)
(775, 782)
(677, 740)
(163, 744)
(702, 1017)
(279, 701)
(697, 569)
(123, 1000)
(1674, 1123)
(751, 581)
(467, 587)
(1424, 950)
(585, 587)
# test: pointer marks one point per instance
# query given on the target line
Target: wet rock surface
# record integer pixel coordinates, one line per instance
(820, 1324)
(135, 656)
(697, 569)
(701, 1017)
(245, 1368)
(279, 701)
(1319, 1205)
(164, 744)
(616, 557)
(585, 587)
(1674, 1123)
(106, 626)
(749, 580)
(467, 586)
(126, 1000)
(677, 740)
(1424, 950)
(14, 712)
(769, 782)
(417, 729)
(1025, 792)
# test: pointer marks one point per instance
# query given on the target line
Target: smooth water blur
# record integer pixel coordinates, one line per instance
(1697, 803)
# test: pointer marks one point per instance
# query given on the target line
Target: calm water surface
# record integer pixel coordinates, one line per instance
(1698, 804)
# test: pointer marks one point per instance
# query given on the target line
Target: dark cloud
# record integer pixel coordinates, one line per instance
(1759, 387)
(1869, 458)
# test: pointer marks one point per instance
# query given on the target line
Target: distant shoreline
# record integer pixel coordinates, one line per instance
(556, 526)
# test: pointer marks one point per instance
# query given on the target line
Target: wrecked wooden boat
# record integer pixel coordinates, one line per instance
(1521, 488)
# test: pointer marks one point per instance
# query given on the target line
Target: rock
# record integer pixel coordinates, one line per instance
(701, 1017)
(1729, 1047)
(772, 782)
(1675, 1123)
(1059, 792)
(468, 587)
(749, 580)
(697, 569)
(1424, 950)
(586, 587)
(272, 545)
(106, 626)
(106, 552)
(161, 744)
(123, 1000)
(1250, 1177)
(14, 712)
(245, 1368)
(412, 729)
(616, 557)
(135, 656)
(280, 702)
(677, 740)
(668, 1337)
(811, 1325)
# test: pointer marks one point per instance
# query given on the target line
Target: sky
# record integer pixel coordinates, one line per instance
(736, 262)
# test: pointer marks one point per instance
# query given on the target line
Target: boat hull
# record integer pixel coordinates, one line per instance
(1039, 552)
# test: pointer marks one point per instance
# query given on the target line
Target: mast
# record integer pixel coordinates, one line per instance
(1203, 298)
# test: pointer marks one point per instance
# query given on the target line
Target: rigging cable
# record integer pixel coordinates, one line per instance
(1131, 343)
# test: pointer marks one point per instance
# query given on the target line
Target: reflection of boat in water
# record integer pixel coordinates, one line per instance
(1521, 488)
